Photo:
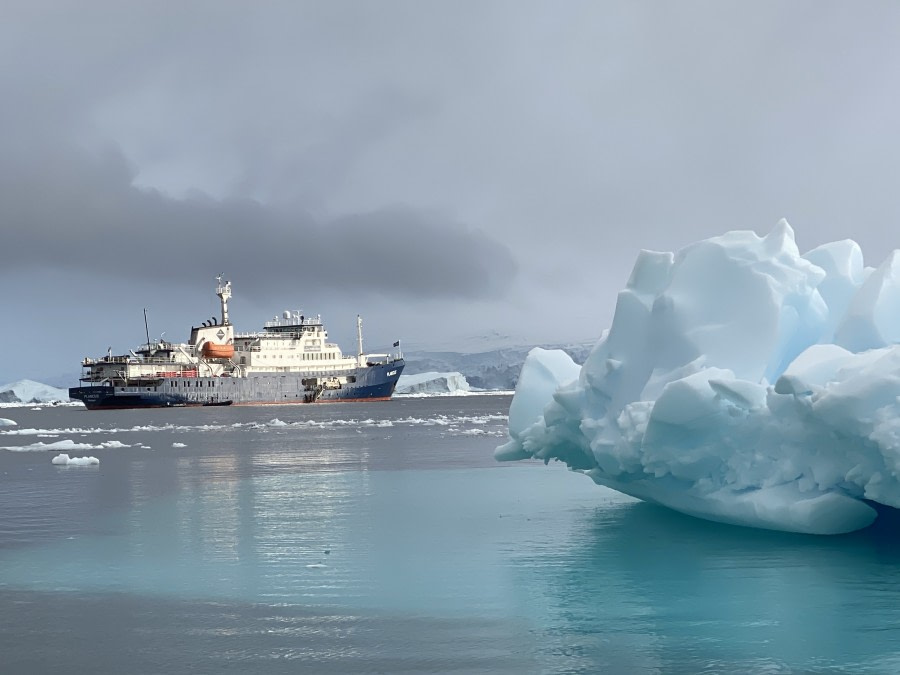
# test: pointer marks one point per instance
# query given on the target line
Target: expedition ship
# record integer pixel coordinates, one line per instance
(289, 361)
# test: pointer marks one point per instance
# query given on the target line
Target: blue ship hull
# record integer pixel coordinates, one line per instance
(371, 383)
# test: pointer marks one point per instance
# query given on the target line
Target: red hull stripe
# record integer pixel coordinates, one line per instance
(336, 400)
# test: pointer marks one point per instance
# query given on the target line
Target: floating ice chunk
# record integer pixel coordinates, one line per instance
(57, 445)
(676, 405)
(178, 445)
(4, 422)
(29, 391)
(65, 460)
(433, 383)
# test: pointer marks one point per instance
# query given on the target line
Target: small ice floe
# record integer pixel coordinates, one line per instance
(64, 460)
(7, 422)
(316, 566)
(277, 423)
(178, 445)
(67, 444)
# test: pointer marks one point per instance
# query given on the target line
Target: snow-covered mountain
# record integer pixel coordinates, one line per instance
(29, 391)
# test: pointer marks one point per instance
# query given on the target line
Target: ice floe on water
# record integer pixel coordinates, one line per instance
(739, 382)
(57, 445)
(275, 423)
(67, 444)
(13, 439)
(65, 460)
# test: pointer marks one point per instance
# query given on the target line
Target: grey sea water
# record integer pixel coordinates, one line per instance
(383, 538)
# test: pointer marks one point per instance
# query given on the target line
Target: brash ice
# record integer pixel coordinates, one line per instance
(739, 382)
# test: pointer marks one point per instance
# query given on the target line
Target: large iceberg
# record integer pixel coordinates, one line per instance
(739, 382)
(433, 383)
(29, 391)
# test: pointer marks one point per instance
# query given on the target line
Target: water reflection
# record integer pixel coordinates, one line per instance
(271, 531)
(644, 589)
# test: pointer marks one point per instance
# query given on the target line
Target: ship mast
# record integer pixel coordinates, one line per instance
(359, 354)
(224, 292)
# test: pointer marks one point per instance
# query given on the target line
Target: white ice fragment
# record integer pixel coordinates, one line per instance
(57, 445)
(178, 445)
(741, 393)
(64, 460)
(432, 383)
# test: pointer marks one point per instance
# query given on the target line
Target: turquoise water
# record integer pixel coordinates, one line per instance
(384, 538)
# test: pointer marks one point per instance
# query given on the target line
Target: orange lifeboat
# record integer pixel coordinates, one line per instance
(214, 351)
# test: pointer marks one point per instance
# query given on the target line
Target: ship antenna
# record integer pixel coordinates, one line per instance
(146, 328)
(359, 336)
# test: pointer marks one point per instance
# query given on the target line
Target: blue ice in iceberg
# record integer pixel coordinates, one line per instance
(739, 382)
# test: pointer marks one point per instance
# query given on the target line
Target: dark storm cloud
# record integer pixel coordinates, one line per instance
(65, 209)
(69, 197)
(446, 150)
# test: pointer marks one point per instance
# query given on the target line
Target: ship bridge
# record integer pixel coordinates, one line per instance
(294, 324)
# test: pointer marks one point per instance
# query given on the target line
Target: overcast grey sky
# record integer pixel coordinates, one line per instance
(447, 169)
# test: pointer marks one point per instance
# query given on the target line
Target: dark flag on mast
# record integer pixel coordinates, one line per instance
(397, 343)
